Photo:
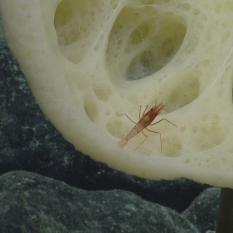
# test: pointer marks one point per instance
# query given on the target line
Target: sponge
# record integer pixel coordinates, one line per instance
(89, 61)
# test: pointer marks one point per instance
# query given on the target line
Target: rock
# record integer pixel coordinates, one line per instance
(34, 203)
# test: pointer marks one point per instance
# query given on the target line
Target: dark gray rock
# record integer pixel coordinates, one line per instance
(33, 203)
(2, 38)
(204, 209)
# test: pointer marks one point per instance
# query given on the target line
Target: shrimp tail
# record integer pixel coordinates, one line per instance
(122, 143)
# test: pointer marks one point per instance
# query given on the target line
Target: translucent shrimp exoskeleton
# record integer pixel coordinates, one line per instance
(122, 143)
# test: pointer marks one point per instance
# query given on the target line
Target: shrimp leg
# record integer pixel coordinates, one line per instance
(147, 137)
(139, 114)
(158, 133)
(128, 118)
(142, 141)
(163, 120)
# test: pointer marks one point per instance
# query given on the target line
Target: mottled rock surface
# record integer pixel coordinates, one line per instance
(34, 203)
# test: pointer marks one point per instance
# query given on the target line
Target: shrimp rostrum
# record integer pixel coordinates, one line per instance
(144, 121)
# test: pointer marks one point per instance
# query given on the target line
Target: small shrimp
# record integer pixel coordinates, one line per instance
(146, 120)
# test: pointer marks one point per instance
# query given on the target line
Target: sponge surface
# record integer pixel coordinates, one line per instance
(89, 61)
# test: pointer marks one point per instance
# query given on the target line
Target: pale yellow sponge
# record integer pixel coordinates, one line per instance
(89, 61)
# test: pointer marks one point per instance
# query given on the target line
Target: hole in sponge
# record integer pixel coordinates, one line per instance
(90, 107)
(117, 128)
(66, 23)
(153, 40)
(171, 146)
(206, 136)
(75, 23)
(185, 91)
(102, 92)
(139, 34)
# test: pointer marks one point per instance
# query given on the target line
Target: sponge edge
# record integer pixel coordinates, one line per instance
(88, 62)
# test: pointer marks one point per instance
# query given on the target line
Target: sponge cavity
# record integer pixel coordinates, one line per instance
(209, 133)
(77, 22)
(90, 107)
(102, 91)
(185, 90)
(142, 41)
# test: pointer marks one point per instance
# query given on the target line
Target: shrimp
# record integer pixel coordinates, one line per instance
(144, 121)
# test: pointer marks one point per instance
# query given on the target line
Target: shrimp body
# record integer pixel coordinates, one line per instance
(143, 122)
(135, 130)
